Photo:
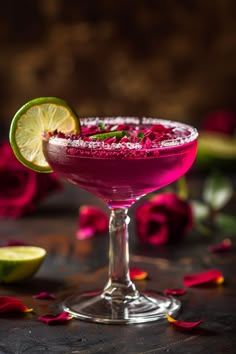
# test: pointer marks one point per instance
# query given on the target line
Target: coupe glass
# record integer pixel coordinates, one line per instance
(120, 174)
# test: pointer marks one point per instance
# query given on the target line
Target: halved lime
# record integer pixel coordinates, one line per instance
(32, 122)
(19, 263)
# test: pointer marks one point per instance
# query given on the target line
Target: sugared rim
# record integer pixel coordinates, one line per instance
(192, 133)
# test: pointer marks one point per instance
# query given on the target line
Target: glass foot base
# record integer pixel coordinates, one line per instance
(145, 307)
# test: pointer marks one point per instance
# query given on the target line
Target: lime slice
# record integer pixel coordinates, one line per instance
(19, 263)
(32, 122)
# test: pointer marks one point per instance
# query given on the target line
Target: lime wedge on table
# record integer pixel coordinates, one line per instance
(34, 120)
(18, 263)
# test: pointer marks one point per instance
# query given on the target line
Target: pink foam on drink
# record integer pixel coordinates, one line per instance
(121, 172)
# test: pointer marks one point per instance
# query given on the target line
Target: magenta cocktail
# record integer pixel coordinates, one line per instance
(120, 160)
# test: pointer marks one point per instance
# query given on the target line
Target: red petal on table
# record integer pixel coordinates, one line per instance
(55, 319)
(138, 274)
(209, 276)
(44, 295)
(176, 292)
(183, 324)
(12, 304)
(223, 246)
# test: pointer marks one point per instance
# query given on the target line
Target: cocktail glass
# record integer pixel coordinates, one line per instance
(120, 174)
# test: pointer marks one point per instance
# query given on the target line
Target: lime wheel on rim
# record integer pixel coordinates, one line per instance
(32, 122)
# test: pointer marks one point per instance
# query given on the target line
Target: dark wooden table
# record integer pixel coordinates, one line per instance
(78, 265)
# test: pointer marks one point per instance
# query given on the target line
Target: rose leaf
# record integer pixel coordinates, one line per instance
(217, 191)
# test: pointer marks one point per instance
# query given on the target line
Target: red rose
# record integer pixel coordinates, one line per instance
(221, 122)
(21, 188)
(92, 220)
(165, 218)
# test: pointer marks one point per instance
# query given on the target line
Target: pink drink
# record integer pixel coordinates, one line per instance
(121, 173)
(119, 160)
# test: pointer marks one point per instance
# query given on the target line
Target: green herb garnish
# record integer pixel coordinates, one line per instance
(140, 135)
(102, 136)
(101, 125)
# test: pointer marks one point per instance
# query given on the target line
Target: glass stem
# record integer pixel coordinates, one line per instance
(119, 285)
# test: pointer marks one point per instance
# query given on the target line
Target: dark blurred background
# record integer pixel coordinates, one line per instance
(163, 58)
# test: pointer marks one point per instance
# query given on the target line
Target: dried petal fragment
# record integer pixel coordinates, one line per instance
(51, 319)
(183, 324)
(12, 304)
(223, 246)
(44, 295)
(209, 276)
(176, 292)
(138, 274)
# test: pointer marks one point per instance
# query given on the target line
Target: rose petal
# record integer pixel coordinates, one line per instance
(51, 319)
(44, 295)
(176, 292)
(85, 232)
(138, 274)
(223, 246)
(209, 276)
(219, 280)
(91, 220)
(183, 324)
(12, 304)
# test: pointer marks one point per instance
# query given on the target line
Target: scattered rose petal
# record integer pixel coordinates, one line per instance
(12, 304)
(85, 232)
(223, 246)
(44, 295)
(176, 292)
(14, 243)
(138, 274)
(92, 220)
(209, 276)
(219, 280)
(55, 319)
(183, 324)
